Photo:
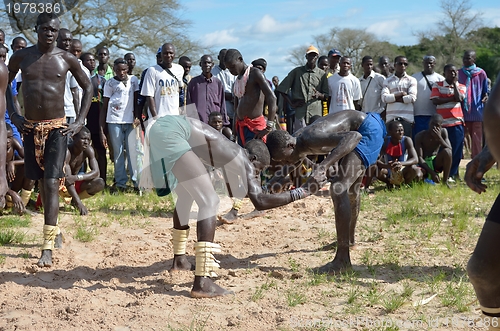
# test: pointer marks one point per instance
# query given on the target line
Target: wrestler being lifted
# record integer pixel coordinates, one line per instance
(252, 92)
(43, 68)
(351, 138)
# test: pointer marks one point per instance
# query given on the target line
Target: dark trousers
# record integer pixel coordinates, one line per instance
(456, 136)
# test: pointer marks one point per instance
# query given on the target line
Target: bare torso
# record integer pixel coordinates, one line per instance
(252, 102)
(428, 143)
(44, 78)
(76, 161)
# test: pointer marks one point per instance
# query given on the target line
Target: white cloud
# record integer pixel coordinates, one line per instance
(385, 29)
(218, 38)
(268, 25)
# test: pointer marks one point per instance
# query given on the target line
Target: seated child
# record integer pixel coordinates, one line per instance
(78, 186)
(398, 159)
(15, 168)
(434, 150)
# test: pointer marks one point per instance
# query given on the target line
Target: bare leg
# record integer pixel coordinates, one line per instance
(49, 188)
(180, 261)
(344, 192)
(193, 177)
(443, 161)
(354, 201)
(484, 268)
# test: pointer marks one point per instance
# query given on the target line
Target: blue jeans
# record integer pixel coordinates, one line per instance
(118, 136)
(456, 136)
(421, 124)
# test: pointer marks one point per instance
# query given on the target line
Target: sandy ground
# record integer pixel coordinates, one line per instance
(120, 281)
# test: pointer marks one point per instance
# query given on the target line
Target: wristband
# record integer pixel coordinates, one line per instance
(270, 124)
(297, 194)
(79, 177)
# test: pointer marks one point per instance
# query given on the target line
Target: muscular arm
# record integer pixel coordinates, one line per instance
(76, 98)
(93, 165)
(412, 153)
(83, 80)
(150, 102)
(268, 93)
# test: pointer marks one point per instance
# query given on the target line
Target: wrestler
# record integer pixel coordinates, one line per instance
(484, 267)
(81, 186)
(178, 149)
(351, 138)
(252, 93)
(43, 69)
(434, 150)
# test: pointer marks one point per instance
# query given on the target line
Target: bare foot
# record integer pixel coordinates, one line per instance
(181, 263)
(335, 267)
(229, 218)
(45, 259)
(204, 287)
(58, 241)
(253, 214)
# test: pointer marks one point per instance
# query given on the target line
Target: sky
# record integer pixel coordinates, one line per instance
(270, 29)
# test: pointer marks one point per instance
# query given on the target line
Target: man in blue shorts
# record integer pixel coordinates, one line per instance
(350, 138)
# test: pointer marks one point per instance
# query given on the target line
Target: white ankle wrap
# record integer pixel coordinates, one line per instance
(205, 261)
(179, 241)
(49, 235)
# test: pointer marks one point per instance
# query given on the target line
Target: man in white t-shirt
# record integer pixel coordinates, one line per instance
(344, 88)
(423, 107)
(161, 84)
(119, 97)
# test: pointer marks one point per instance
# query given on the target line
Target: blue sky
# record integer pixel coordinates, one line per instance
(270, 29)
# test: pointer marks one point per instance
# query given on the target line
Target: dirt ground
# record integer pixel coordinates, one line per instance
(120, 280)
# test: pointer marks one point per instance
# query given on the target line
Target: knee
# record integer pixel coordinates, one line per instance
(210, 201)
(338, 189)
(481, 274)
(97, 185)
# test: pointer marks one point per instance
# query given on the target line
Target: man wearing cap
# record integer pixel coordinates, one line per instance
(334, 56)
(308, 86)
(162, 83)
(424, 108)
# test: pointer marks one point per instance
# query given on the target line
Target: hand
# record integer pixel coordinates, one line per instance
(316, 180)
(104, 140)
(436, 131)
(82, 209)
(395, 165)
(474, 172)
(136, 123)
(281, 185)
(262, 133)
(72, 129)
(17, 204)
(434, 177)
(70, 180)
(484, 99)
(21, 123)
(11, 171)
(316, 94)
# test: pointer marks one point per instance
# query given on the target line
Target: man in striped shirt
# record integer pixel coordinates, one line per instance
(399, 92)
(447, 96)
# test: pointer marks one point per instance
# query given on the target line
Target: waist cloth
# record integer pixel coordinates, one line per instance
(253, 125)
(168, 141)
(373, 133)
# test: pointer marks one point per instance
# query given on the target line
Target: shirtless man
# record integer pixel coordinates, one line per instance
(5, 90)
(44, 67)
(434, 150)
(484, 267)
(81, 186)
(349, 137)
(178, 147)
(252, 91)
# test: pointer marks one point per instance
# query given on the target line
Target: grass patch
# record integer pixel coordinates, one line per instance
(11, 236)
(294, 298)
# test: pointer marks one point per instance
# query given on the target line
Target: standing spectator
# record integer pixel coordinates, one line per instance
(334, 56)
(76, 50)
(308, 86)
(185, 62)
(399, 93)
(98, 82)
(384, 66)
(222, 73)
(424, 108)
(130, 58)
(476, 82)
(344, 88)
(162, 83)
(119, 99)
(447, 96)
(71, 92)
(104, 69)
(371, 88)
(323, 63)
(207, 92)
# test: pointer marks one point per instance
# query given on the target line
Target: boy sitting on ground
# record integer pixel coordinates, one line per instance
(434, 150)
(398, 161)
(78, 186)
